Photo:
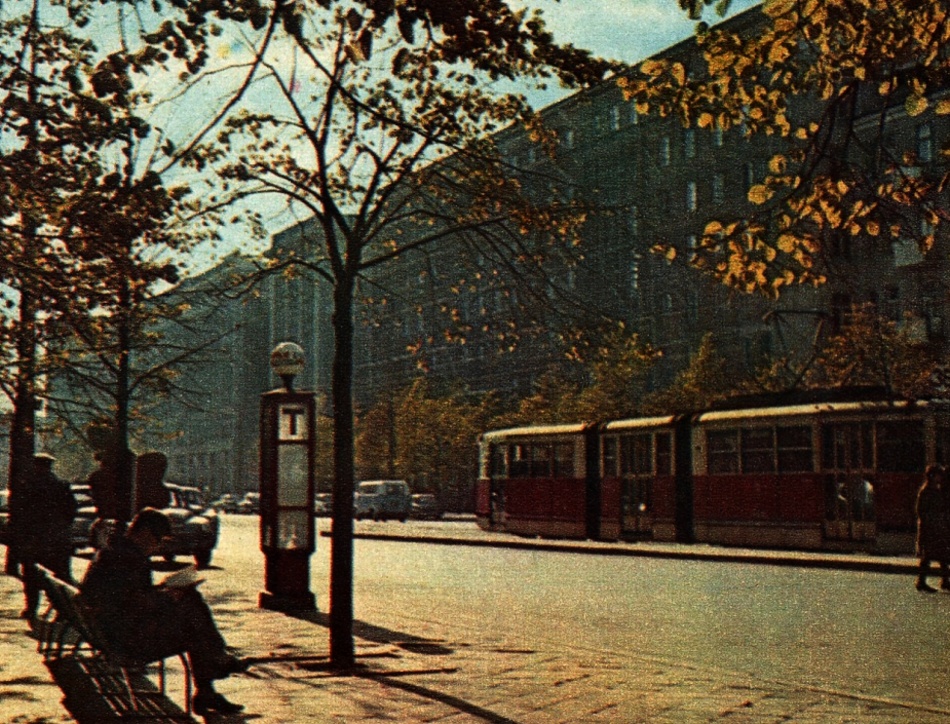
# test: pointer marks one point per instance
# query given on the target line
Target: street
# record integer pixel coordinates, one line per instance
(869, 636)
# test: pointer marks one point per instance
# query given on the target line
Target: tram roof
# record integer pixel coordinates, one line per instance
(819, 408)
(639, 423)
(536, 431)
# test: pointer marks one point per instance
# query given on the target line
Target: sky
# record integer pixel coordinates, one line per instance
(625, 30)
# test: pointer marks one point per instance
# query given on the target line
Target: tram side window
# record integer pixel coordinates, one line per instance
(900, 447)
(636, 454)
(723, 447)
(540, 460)
(794, 448)
(520, 464)
(564, 460)
(758, 450)
(530, 460)
(847, 446)
(498, 461)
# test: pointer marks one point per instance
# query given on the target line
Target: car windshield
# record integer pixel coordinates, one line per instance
(372, 489)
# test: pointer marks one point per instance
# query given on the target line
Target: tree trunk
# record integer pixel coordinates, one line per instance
(342, 653)
(124, 461)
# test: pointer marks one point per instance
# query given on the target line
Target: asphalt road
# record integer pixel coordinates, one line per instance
(861, 634)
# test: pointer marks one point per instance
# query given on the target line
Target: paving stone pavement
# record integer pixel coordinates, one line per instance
(439, 678)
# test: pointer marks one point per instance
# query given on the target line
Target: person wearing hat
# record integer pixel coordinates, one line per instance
(41, 518)
(149, 622)
(933, 528)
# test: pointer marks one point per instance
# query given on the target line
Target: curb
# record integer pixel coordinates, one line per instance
(781, 560)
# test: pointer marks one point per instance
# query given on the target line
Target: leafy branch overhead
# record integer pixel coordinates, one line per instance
(827, 81)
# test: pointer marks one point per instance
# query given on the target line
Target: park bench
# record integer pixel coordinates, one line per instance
(65, 629)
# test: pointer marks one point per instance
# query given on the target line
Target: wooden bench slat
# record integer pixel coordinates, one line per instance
(65, 616)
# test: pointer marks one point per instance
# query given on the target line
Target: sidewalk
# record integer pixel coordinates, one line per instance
(429, 676)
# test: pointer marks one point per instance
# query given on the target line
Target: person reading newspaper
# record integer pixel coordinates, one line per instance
(150, 622)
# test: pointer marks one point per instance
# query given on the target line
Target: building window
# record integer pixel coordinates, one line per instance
(718, 188)
(568, 136)
(689, 143)
(692, 198)
(635, 275)
(665, 154)
(532, 154)
(633, 221)
(717, 137)
(749, 175)
(692, 242)
(615, 118)
(925, 146)
(692, 304)
(634, 114)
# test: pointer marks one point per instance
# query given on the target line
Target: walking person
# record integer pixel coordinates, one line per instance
(150, 622)
(41, 519)
(933, 527)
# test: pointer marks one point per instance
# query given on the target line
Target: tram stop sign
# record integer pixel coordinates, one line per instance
(288, 531)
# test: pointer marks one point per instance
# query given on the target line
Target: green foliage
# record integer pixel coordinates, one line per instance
(426, 439)
(705, 381)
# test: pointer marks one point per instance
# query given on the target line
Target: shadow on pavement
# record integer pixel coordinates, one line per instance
(455, 702)
(94, 694)
(380, 635)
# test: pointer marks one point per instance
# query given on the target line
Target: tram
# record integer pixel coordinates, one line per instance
(837, 475)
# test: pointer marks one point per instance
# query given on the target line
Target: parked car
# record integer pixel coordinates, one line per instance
(425, 506)
(323, 504)
(85, 517)
(195, 526)
(227, 503)
(382, 500)
(250, 504)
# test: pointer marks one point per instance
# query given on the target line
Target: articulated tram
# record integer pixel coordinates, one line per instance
(812, 476)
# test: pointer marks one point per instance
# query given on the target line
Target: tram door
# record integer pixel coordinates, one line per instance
(639, 457)
(498, 472)
(848, 469)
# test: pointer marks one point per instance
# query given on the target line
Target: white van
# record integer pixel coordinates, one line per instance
(382, 500)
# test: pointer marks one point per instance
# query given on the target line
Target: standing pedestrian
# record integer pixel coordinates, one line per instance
(933, 527)
(41, 518)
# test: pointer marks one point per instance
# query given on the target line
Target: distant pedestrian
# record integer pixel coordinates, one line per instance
(933, 527)
(150, 490)
(110, 492)
(41, 518)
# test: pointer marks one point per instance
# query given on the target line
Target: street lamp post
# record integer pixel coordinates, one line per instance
(288, 441)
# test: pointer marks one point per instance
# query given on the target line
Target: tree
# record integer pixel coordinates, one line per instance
(870, 349)
(380, 129)
(832, 80)
(60, 133)
(706, 380)
(424, 438)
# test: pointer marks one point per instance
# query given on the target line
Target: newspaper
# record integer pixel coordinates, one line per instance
(185, 577)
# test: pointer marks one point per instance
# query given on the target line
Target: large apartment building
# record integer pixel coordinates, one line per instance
(646, 181)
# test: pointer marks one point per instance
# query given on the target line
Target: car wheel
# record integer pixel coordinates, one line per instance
(203, 558)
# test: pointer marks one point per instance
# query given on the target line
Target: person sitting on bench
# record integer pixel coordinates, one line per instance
(149, 622)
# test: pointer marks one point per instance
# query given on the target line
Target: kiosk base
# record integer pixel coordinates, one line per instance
(287, 603)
